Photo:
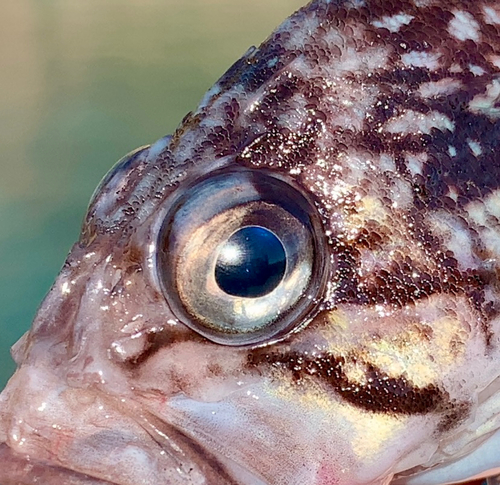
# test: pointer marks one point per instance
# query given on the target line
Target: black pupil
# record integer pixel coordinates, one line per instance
(252, 263)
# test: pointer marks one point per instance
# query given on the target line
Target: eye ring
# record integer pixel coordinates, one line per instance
(227, 206)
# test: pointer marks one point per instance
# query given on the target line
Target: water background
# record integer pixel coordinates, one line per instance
(82, 82)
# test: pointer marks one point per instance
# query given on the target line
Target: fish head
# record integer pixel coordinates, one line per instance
(299, 285)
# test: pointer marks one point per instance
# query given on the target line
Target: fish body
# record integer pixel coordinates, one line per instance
(300, 285)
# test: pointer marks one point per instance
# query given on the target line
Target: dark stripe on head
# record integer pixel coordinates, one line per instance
(381, 393)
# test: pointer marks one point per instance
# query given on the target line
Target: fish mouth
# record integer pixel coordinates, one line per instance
(194, 464)
(23, 470)
(58, 435)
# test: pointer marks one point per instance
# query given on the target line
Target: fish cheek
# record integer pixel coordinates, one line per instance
(381, 386)
(399, 361)
(199, 370)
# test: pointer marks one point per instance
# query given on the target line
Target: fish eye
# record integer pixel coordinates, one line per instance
(240, 257)
(251, 263)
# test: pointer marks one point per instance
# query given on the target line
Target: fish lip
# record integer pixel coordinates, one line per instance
(49, 447)
(177, 456)
(18, 469)
(25, 469)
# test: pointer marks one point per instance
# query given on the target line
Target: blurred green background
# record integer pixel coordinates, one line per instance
(82, 82)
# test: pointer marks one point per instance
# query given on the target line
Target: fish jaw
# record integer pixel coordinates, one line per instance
(55, 434)
(58, 434)
(40, 436)
(24, 471)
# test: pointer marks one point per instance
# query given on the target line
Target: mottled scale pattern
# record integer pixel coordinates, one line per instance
(387, 114)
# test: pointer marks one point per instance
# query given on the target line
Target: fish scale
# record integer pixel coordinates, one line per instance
(362, 136)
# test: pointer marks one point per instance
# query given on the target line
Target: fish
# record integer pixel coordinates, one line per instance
(299, 285)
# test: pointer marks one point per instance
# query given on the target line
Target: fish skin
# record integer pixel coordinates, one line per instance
(385, 114)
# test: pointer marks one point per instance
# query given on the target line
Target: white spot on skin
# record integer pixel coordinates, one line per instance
(463, 26)
(156, 148)
(414, 122)
(429, 60)
(492, 203)
(457, 237)
(475, 147)
(491, 14)
(422, 3)
(298, 38)
(272, 62)
(452, 193)
(480, 213)
(486, 103)
(415, 162)
(393, 23)
(65, 289)
(476, 70)
(387, 163)
(353, 61)
(452, 151)
(402, 194)
(443, 87)
(495, 60)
